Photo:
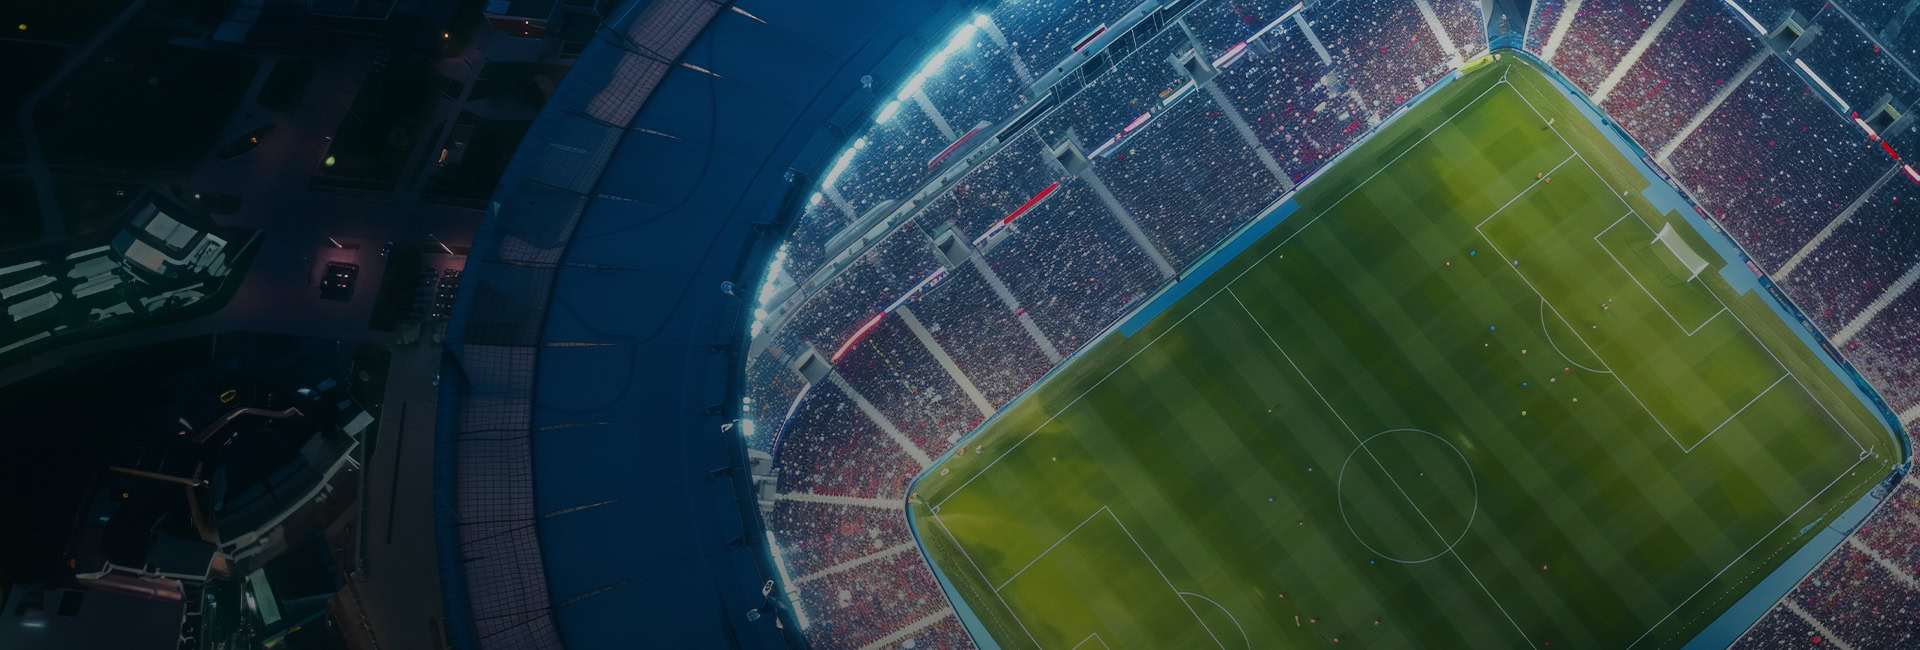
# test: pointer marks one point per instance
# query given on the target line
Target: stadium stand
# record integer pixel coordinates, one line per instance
(1857, 69)
(1863, 256)
(1599, 37)
(982, 334)
(1542, 19)
(1697, 54)
(1887, 348)
(1775, 164)
(1863, 595)
(1384, 50)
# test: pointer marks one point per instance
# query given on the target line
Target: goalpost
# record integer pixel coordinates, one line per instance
(1693, 261)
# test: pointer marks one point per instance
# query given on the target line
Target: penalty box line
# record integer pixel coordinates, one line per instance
(1643, 287)
(1725, 308)
(1094, 636)
(983, 578)
(1180, 595)
(1255, 264)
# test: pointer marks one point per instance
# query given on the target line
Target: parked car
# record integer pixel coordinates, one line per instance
(337, 284)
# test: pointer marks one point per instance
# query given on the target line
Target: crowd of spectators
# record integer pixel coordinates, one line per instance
(900, 376)
(1384, 50)
(1774, 165)
(1541, 20)
(1698, 53)
(1878, 242)
(1190, 179)
(863, 604)
(1886, 351)
(1857, 68)
(833, 449)
(1074, 266)
(1598, 40)
(1853, 597)
(1300, 111)
(1465, 24)
(982, 334)
(824, 535)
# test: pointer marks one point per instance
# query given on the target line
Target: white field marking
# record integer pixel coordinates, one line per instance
(1723, 423)
(1339, 490)
(1796, 378)
(1583, 341)
(1376, 460)
(1056, 543)
(1865, 451)
(1143, 553)
(1490, 596)
(1523, 191)
(1556, 311)
(1255, 264)
(983, 578)
(1743, 554)
(1643, 287)
(1556, 347)
(1090, 637)
(1611, 190)
(1216, 293)
(1230, 616)
(1163, 576)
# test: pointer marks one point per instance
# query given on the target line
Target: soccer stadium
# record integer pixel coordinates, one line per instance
(1076, 324)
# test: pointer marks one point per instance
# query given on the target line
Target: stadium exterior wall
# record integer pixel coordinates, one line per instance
(586, 493)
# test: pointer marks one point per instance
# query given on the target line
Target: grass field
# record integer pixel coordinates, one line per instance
(1376, 426)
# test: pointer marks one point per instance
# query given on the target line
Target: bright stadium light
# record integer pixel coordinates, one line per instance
(839, 167)
(887, 112)
(982, 20)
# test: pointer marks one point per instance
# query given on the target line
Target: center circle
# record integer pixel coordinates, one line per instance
(1408, 495)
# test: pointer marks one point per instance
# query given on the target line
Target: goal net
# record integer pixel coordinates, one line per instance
(1693, 261)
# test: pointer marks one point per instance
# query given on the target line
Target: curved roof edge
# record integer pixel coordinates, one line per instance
(585, 490)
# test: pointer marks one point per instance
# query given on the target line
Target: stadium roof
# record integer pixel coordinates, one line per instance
(580, 483)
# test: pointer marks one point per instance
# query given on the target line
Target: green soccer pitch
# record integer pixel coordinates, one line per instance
(1461, 399)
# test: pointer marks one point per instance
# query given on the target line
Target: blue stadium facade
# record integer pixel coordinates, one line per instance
(629, 455)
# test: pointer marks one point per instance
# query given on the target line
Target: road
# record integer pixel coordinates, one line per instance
(402, 579)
